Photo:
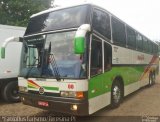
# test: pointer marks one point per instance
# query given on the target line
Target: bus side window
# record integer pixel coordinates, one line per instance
(107, 56)
(96, 56)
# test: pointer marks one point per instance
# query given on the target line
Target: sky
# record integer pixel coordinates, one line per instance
(142, 15)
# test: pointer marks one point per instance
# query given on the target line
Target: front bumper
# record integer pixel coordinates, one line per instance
(57, 104)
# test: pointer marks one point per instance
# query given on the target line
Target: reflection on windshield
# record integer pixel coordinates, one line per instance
(66, 69)
(52, 56)
(68, 63)
(60, 19)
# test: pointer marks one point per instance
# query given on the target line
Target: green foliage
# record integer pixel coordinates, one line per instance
(17, 12)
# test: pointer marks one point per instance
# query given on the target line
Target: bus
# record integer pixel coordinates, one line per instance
(80, 59)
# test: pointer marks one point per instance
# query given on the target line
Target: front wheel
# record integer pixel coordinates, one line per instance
(10, 92)
(116, 94)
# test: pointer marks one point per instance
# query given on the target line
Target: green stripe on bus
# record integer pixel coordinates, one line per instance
(51, 88)
(102, 83)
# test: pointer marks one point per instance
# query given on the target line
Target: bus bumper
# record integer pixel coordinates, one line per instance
(57, 104)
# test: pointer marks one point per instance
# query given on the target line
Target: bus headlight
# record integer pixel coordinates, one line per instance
(72, 94)
(23, 89)
(68, 94)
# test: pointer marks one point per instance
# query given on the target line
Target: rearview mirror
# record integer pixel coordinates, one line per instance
(79, 41)
(79, 46)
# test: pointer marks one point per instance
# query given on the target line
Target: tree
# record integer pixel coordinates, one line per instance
(17, 12)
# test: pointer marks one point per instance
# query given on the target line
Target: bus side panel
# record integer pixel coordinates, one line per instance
(99, 92)
(132, 66)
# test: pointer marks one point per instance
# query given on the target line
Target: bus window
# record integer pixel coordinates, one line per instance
(150, 47)
(145, 45)
(96, 56)
(107, 56)
(59, 19)
(139, 42)
(118, 32)
(131, 38)
(32, 57)
(101, 23)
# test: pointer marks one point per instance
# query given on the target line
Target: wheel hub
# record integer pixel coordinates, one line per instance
(116, 94)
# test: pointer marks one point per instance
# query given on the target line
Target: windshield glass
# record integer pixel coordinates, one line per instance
(32, 56)
(50, 53)
(60, 19)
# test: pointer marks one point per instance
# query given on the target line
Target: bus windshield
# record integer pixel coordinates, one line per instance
(60, 19)
(44, 51)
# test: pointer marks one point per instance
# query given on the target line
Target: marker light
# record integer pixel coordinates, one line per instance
(79, 95)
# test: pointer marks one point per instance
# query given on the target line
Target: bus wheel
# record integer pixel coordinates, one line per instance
(116, 94)
(152, 79)
(10, 92)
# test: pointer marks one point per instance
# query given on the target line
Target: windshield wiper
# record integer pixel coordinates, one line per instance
(53, 63)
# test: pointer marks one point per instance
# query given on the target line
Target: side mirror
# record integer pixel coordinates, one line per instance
(5, 43)
(79, 41)
(79, 45)
(25, 47)
(2, 52)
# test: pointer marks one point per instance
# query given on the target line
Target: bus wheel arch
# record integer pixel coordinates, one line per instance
(117, 91)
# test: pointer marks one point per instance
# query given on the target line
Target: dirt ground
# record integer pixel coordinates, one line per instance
(144, 102)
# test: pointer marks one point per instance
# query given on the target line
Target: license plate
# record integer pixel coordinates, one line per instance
(41, 103)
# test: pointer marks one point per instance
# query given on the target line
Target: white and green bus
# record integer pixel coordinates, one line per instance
(80, 59)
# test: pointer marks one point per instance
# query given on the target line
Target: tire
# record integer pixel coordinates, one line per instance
(116, 94)
(152, 79)
(10, 92)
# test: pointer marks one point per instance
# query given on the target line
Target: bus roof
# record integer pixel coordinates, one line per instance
(87, 3)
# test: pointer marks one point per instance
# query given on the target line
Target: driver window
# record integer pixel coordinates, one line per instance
(96, 56)
(32, 57)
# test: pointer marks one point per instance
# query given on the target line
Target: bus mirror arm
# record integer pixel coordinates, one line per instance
(5, 43)
(79, 41)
